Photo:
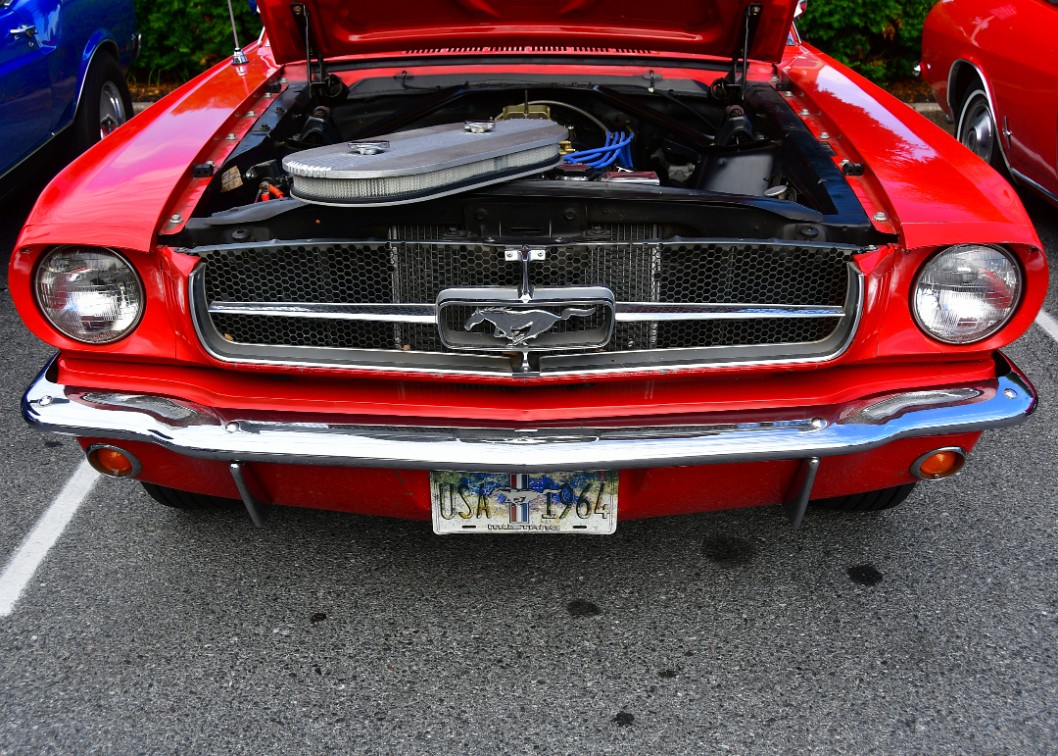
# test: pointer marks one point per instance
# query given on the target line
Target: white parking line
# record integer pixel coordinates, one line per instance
(1048, 324)
(45, 533)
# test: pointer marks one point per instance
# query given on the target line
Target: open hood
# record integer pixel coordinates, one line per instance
(703, 27)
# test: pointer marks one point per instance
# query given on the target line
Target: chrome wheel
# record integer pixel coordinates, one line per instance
(977, 128)
(111, 108)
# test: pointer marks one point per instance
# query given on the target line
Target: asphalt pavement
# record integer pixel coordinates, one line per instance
(928, 628)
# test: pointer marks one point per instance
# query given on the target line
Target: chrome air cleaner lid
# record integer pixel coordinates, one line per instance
(421, 164)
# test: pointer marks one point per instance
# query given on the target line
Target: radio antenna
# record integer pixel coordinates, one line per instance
(238, 58)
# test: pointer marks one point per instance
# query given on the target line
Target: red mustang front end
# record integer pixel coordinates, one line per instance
(529, 270)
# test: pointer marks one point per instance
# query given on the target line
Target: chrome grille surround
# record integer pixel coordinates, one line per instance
(371, 305)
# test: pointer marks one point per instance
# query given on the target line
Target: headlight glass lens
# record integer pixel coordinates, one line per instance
(966, 293)
(91, 295)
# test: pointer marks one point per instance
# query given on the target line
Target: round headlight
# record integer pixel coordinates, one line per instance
(966, 293)
(91, 295)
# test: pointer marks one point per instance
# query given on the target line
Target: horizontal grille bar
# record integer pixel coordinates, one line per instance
(625, 312)
(372, 305)
(388, 313)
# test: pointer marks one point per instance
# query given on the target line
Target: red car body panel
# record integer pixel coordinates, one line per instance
(902, 152)
(921, 188)
(626, 402)
(1011, 46)
(656, 492)
(147, 161)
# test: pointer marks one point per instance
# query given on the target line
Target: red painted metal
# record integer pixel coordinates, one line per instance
(658, 400)
(1010, 46)
(918, 184)
(115, 196)
(915, 164)
(655, 492)
(676, 26)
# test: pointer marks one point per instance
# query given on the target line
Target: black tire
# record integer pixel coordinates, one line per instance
(177, 499)
(872, 501)
(105, 102)
(976, 129)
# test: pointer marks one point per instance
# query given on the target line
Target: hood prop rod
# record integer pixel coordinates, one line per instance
(301, 19)
(753, 14)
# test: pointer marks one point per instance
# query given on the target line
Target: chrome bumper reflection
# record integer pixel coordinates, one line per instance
(198, 431)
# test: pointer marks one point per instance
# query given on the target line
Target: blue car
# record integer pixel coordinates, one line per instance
(62, 73)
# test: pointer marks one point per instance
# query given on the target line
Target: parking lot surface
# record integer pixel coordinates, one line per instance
(928, 628)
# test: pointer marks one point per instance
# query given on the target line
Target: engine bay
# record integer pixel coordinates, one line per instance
(692, 159)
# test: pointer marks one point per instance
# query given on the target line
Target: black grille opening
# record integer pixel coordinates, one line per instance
(416, 271)
(716, 333)
(345, 273)
(307, 332)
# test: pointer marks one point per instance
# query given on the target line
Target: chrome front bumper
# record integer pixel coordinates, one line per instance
(197, 431)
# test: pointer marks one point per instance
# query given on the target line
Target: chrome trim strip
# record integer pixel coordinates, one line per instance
(386, 313)
(277, 244)
(633, 312)
(625, 363)
(625, 312)
(36, 151)
(834, 430)
(1021, 178)
(738, 356)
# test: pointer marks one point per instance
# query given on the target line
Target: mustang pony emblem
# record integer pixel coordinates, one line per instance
(519, 326)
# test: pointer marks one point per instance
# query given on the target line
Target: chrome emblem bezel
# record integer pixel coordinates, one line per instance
(498, 319)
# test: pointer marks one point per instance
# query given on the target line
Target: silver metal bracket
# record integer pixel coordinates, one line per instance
(796, 503)
(247, 483)
(525, 255)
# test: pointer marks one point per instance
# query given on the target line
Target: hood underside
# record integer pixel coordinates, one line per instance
(702, 27)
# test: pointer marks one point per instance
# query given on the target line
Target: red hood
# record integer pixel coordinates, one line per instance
(702, 27)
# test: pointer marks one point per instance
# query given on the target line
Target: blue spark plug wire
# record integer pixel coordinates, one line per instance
(616, 149)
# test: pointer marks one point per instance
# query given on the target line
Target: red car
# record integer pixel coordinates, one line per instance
(992, 69)
(532, 267)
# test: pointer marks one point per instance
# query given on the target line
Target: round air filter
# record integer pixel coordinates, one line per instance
(421, 164)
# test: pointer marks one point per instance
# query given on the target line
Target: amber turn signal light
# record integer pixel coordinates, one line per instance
(112, 461)
(938, 464)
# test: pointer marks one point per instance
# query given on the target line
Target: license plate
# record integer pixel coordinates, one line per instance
(583, 503)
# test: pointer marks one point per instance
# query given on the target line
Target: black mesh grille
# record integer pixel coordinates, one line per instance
(302, 332)
(426, 269)
(345, 273)
(416, 271)
(753, 273)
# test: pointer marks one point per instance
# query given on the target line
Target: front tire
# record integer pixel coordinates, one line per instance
(872, 501)
(105, 102)
(172, 497)
(977, 129)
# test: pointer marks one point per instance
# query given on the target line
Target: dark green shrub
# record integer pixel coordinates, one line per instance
(881, 38)
(184, 37)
